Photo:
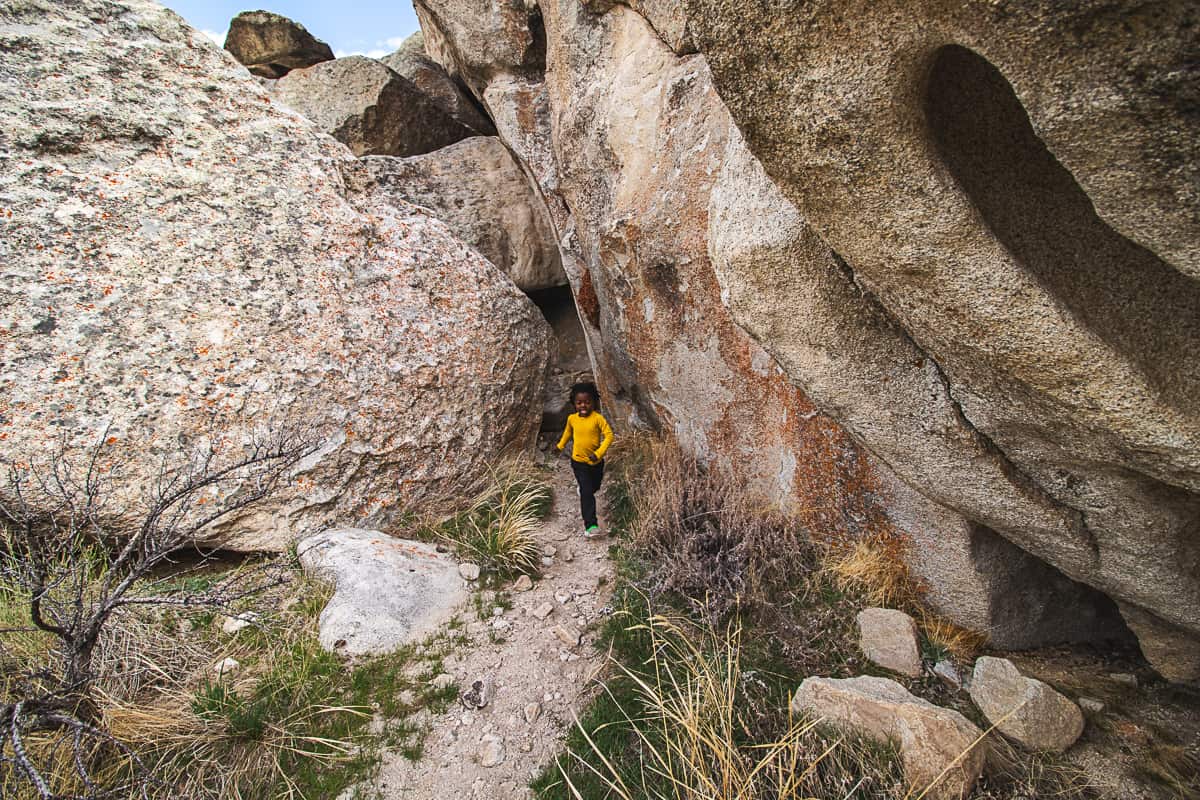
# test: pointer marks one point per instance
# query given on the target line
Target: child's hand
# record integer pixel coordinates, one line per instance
(592, 458)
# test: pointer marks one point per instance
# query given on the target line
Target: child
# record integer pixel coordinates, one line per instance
(591, 437)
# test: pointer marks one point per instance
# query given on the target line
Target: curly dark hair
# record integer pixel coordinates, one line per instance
(586, 386)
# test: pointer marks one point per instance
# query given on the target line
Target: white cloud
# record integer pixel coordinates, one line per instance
(219, 38)
(395, 41)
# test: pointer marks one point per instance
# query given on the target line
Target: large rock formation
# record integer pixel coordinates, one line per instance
(179, 253)
(1010, 193)
(476, 188)
(430, 77)
(271, 45)
(656, 199)
(370, 108)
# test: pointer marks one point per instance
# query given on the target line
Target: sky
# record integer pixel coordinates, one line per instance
(369, 27)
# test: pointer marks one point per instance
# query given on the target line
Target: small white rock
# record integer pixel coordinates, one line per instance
(498, 611)
(237, 623)
(549, 550)
(562, 597)
(1091, 705)
(532, 712)
(442, 681)
(469, 571)
(543, 611)
(547, 561)
(227, 666)
(501, 624)
(523, 584)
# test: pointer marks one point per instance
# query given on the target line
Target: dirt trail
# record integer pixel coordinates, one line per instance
(529, 663)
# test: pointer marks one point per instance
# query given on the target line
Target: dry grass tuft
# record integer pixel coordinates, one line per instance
(946, 636)
(497, 528)
(874, 567)
(693, 727)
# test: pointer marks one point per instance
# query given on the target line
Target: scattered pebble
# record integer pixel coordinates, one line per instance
(1124, 678)
(491, 754)
(547, 561)
(442, 681)
(476, 696)
(948, 673)
(532, 712)
(469, 571)
(568, 556)
(567, 634)
(562, 597)
(498, 611)
(1091, 705)
(523, 584)
(501, 624)
(408, 697)
(549, 550)
(543, 611)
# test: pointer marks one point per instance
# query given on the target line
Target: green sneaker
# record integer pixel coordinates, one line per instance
(590, 531)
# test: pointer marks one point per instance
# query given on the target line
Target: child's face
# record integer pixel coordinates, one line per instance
(583, 404)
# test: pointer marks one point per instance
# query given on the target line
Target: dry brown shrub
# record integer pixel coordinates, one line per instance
(713, 543)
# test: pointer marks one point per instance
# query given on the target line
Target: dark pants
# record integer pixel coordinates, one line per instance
(588, 476)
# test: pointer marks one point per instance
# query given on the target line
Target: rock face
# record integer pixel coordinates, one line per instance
(181, 257)
(430, 77)
(889, 638)
(476, 41)
(931, 739)
(480, 192)
(656, 201)
(369, 108)
(1010, 196)
(271, 45)
(389, 592)
(1024, 709)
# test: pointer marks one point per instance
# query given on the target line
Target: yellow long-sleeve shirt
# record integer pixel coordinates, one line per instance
(590, 436)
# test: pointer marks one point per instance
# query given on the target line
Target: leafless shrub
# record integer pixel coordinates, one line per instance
(714, 544)
(81, 554)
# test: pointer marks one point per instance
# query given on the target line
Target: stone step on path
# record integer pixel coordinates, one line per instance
(536, 679)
